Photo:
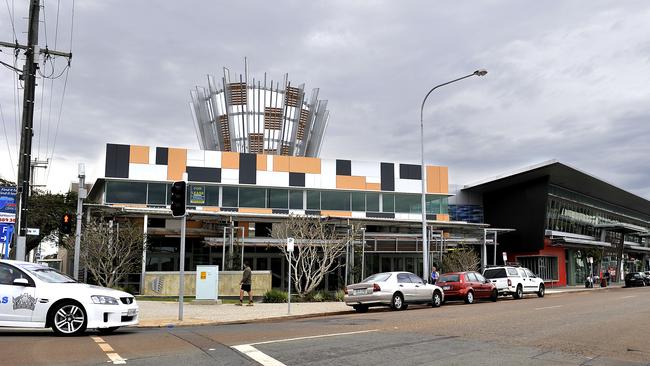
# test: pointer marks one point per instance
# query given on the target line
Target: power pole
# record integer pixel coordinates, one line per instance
(32, 52)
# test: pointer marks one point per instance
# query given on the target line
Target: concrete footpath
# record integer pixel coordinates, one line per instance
(165, 313)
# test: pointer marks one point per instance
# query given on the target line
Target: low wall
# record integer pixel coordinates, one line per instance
(166, 283)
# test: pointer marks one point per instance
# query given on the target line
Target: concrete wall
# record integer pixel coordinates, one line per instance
(166, 283)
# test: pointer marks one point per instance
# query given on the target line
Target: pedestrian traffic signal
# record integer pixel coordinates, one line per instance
(178, 199)
(66, 224)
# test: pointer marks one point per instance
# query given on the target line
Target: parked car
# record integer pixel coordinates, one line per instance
(467, 286)
(36, 296)
(515, 281)
(394, 289)
(636, 279)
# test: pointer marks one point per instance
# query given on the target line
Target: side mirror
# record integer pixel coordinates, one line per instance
(487, 281)
(21, 282)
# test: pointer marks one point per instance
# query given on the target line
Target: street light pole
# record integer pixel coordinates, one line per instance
(425, 243)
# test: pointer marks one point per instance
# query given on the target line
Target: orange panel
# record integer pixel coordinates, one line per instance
(194, 224)
(442, 217)
(256, 210)
(210, 209)
(350, 182)
(336, 213)
(433, 179)
(298, 164)
(373, 186)
(230, 160)
(444, 179)
(280, 163)
(262, 162)
(176, 163)
(139, 154)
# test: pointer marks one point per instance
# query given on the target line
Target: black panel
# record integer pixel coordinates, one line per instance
(387, 176)
(280, 211)
(297, 179)
(247, 168)
(229, 209)
(343, 167)
(200, 174)
(312, 212)
(410, 171)
(431, 217)
(380, 215)
(117, 161)
(161, 155)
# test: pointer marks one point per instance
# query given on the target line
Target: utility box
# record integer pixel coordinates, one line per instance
(207, 283)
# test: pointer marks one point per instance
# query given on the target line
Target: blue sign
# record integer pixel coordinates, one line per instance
(8, 200)
(6, 232)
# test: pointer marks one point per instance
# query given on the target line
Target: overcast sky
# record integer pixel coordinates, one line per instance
(567, 80)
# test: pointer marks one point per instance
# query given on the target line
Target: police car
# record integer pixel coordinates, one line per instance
(36, 296)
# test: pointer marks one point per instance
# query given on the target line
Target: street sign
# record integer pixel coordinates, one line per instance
(6, 231)
(590, 260)
(290, 242)
(33, 231)
(7, 204)
(505, 257)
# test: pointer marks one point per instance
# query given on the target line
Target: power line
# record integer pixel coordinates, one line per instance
(11, 17)
(58, 122)
(4, 128)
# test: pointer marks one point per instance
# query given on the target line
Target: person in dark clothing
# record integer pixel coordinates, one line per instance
(245, 283)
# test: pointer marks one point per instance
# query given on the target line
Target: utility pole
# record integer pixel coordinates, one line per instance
(80, 200)
(32, 52)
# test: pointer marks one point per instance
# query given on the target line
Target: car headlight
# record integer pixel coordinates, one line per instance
(104, 300)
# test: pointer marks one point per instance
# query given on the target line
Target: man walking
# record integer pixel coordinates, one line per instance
(246, 285)
(434, 275)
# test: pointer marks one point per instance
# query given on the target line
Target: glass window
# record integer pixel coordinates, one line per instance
(449, 278)
(295, 200)
(388, 202)
(211, 195)
(278, 198)
(47, 274)
(495, 273)
(415, 278)
(332, 200)
(408, 203)
(126, 192)
(313, 200)
(511, 272)
(479, 277)
(358, 201)
(229, 197)
(403, 278)
(157, 194)
(10, 273)
(379, 277)
(372, 202)
(252, 197)
(433, 204)
(470, 277)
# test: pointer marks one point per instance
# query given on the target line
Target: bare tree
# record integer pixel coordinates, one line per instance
(317, 249)
(110, 252)
(460, 260)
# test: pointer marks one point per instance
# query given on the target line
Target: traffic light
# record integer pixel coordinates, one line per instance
(178, 199)
(66, 224)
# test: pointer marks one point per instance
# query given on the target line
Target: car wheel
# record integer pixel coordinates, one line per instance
(542, 290)
(105, 331)
(519, 293)
(494, 296)
(68, 319)
(436, 300)
(361, 308)
(397, 303)
(469, 298)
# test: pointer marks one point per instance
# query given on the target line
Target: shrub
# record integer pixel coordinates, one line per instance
(338, 296)
(275, 296)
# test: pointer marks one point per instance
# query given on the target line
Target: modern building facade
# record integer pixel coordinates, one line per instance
(238, 113)
(563, 216)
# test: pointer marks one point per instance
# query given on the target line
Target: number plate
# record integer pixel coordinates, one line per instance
(359, 292)
(446, 287)
(132, 312)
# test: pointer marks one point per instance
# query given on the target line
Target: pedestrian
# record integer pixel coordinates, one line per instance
(434, 275)
(246, 285)
(606, 275)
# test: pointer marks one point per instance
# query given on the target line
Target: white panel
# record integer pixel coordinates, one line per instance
(269, 163)
(408, 185)
(373, 179)
(328, 174)
(152, 155)
(273, 179)
(213, 159)
(147, 172)
(312, 180)
(366, 169)
(230, 176)
(402, 216)
(297, 212)
(195, 158)
(358, 215)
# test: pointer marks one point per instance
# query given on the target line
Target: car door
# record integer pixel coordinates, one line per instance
(534, 280)
(421, 292)
(526, 282)
(405, 285)
(486, 288)
(17, 302)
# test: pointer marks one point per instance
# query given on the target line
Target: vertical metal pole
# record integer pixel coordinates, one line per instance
(425, 242)
(363, 254)
(347, 253)
(223, 250)
(77, 239)
(484, 251)
(145, 227)
(289, 291)
(243, 231)
(495, 247)
(181, 280)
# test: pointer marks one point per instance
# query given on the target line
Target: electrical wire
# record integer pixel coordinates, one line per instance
(4, 128)
(49, 113)
(11, 17)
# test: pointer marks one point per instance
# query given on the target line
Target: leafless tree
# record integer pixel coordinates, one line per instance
(317, 249)
(460, 260)
(110, 252)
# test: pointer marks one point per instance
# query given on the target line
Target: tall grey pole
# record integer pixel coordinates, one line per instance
(289, 288)
(363, 253)
(77, 238)
(223, 249)
(495, 247)
(145, 228)
(181, 280)
(425, 243)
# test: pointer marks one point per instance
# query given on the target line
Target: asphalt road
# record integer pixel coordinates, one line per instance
(608, 327)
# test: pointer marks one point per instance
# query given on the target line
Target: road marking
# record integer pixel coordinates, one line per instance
(106, 347)
(109, 351)
(97, 339)
(627, 297)
(549, 307)
(266, 360)
(117, 360)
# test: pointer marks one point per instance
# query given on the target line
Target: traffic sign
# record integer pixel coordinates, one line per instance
(290, 245)
(33, 231)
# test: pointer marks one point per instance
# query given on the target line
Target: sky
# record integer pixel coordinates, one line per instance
(567, 80)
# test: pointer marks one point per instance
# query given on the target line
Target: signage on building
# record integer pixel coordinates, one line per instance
(6, 231)
(7, 204)
(33, 231)
(197, 195)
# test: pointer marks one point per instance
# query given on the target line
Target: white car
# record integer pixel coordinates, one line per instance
(36, 296)
(394, 289)
(515, 281)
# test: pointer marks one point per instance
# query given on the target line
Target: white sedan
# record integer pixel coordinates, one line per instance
(36, 296)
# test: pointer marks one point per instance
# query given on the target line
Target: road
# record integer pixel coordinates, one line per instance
(608, 327)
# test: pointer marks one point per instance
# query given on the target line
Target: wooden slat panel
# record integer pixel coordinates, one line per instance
(237, 93)
(293, 97)
(223, 121)
(300, 134)
(256, 142)
(272, 118)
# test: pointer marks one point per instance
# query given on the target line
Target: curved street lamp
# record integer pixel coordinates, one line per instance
(425, 241)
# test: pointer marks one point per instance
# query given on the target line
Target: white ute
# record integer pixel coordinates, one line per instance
(36, 296)
(515, 281)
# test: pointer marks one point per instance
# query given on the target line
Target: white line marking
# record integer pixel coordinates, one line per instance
(258, 356)
(106, 347)
(627, 297)
(96, 339)
(117, 360)
(316, 336)
(549, 307)
(109, 351)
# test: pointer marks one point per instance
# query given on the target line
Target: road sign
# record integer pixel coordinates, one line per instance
(505, 257)
(33, 231)
(290, 242)
(7, 204)
(6, 231)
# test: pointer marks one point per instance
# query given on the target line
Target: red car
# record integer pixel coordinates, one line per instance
(467, 286)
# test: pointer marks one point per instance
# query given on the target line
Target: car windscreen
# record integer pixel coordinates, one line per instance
(449, 278)
(495, 273)
(378, 277)
(47, 274)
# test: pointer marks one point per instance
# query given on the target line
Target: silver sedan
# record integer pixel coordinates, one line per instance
(394, 289)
